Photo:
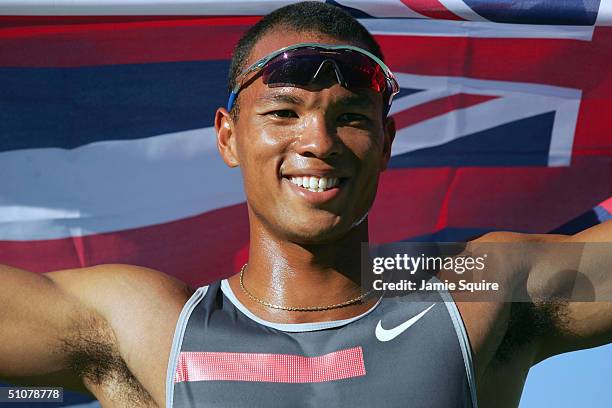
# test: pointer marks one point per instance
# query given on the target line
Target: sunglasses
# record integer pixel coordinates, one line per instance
(301, 64)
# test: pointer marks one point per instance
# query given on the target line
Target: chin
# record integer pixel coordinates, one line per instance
(315, 233)
(320, 239)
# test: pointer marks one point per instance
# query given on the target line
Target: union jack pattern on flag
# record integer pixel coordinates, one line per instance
(108, 154)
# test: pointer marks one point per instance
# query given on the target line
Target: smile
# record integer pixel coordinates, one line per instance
(314, 183)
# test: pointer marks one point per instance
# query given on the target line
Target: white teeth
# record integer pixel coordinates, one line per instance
(316, 184)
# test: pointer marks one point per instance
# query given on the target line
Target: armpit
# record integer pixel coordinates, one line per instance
(92, 354)
(529, 322)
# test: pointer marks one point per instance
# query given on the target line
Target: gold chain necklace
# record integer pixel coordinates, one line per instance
(298, 309)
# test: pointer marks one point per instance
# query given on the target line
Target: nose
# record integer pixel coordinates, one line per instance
(318, 139)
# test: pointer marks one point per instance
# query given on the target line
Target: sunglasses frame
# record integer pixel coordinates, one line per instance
(260, 64)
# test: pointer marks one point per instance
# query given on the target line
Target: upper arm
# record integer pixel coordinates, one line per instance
(558, 278)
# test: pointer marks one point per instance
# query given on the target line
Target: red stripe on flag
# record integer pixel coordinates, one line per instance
(437, 107)
(280, 368)
(442, 221)
(417, 201)
(25, 21)
(504, 59)
(431, 9)
(119, 40)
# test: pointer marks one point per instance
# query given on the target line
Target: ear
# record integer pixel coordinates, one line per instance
(389, 136)
(226, 137)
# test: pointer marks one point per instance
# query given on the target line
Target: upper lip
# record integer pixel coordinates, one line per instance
(314, 172)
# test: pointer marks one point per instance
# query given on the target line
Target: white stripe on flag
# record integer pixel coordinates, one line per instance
(113, 185)
(383, 8)
(449, 28)
(604, 16)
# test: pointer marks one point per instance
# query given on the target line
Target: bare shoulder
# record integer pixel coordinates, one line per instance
(117, 276)
(106, 288)
(597, 233)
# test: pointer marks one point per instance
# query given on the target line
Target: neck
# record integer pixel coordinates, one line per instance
(289, 274)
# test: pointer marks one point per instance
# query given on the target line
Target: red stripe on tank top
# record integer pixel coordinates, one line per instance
(263, 367)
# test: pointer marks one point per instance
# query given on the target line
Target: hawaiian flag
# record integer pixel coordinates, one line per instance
(107, 150)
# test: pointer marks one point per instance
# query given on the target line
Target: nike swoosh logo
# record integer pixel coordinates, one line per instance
(386, 335)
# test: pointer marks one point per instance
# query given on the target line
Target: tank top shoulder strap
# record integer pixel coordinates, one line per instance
(464, 341)
(179, 333)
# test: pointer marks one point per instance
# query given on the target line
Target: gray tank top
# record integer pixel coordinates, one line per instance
(409, 351)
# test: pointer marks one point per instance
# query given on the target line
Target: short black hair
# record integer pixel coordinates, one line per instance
(307, 16)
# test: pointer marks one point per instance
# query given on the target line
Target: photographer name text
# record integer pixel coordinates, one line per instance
(462, 286)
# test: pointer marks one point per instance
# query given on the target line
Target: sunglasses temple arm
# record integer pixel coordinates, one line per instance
(387, 106)
(230, 102)
(239, 79)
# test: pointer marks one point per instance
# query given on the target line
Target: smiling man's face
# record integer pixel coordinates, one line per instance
(287, 138)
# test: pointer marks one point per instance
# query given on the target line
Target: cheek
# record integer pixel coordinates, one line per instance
(264, 137)
(368, 152)
(260, 153)
(366, 147)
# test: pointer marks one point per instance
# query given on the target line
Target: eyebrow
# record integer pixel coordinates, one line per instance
(358, 101)
(272, 98)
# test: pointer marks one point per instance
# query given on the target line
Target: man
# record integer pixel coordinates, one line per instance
(308, 128)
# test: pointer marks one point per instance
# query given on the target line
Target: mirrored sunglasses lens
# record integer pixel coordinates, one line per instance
(361, 72)
(291, 69)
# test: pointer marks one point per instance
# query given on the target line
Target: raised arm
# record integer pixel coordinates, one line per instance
(37, 316)
(570, 279)
(106, 329)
